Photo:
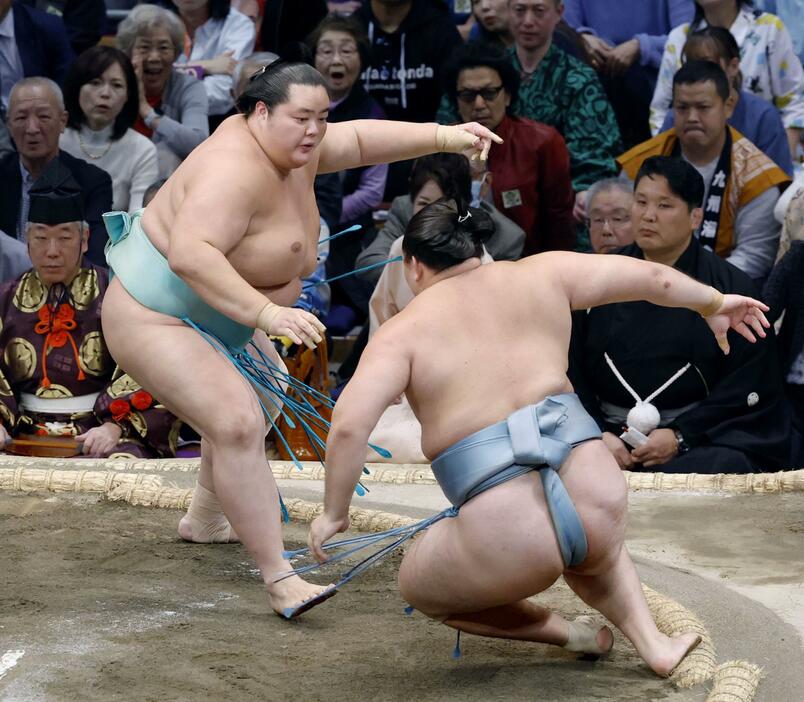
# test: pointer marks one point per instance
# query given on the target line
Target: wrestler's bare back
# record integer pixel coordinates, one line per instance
(283, 224)
(466, 377)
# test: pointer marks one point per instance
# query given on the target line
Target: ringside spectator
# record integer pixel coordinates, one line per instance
(768, 61)
(659, 371)
(609, 204)
(101, 98)
(756, 119)
(435, 177)
(172, 104)
(36, 119)
(219, 36)
(529, 173)
(742, 183)
(411, 41)
(32, 43)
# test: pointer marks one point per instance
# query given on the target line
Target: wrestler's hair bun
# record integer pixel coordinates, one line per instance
(446, 233)
(475, 223)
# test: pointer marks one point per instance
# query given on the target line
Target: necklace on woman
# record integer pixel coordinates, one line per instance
(88, 153)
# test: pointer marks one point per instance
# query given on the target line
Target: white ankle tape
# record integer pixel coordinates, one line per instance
(583, 636)
(206, 517)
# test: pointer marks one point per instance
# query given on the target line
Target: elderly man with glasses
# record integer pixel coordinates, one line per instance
(609, 204)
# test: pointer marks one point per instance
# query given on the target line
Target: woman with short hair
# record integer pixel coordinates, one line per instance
(172, 109)
(100, 96)
(341, 50)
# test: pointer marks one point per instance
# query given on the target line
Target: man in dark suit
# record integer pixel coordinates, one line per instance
(84, 20)
(32, 43)
(36, 118)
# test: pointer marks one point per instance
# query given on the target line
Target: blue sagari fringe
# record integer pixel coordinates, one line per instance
(356, 544)
(260, 370)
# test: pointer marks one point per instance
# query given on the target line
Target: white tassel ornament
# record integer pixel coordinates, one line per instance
(643, 417)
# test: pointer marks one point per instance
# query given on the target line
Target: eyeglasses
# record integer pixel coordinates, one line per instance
(614, 222)
(161, 49)
(488, 94)
(327, 51)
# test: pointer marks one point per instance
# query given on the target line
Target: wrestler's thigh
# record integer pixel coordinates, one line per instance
(599, 491)
(269, 400)
(175, 364)
(500, 549)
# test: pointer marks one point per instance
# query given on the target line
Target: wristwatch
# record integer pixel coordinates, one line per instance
(683, 446)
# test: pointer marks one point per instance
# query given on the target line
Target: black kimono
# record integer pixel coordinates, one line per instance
(734, 416)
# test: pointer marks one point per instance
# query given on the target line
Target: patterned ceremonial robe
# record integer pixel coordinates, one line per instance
(752, 173)
(52, 348)
(565, 94)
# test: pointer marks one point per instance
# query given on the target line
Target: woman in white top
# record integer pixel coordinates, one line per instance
(101, 98)
(218, 37)
(768, 61)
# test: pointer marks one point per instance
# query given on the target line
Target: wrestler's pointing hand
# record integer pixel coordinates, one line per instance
(322, 530)
(471, 138)
(743, 314)
(299, 326)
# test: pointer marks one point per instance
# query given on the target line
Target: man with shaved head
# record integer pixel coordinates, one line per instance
(36, 118)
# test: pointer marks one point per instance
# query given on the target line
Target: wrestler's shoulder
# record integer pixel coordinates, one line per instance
(399, 331)
(225, 167)
(548, 261)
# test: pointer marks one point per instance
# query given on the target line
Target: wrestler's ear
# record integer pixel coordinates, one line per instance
(262, 110)
(696, 217)
(418, 268)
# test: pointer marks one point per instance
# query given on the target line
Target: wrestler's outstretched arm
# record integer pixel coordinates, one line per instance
(381, 376)
(366, 142)
(590, 281)
(212, 219)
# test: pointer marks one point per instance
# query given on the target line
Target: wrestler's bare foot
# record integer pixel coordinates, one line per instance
(287, 595)
(220, 532)
(676, 650)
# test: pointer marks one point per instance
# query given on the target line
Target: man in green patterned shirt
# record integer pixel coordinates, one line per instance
(558, 90)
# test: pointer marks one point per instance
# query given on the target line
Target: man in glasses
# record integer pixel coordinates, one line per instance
(559, 90)
(528, 175)
(609, 205)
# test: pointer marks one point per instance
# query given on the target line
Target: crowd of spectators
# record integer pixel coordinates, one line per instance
(585, 96)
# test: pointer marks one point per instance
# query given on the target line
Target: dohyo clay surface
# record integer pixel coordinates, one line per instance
(100, 600)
